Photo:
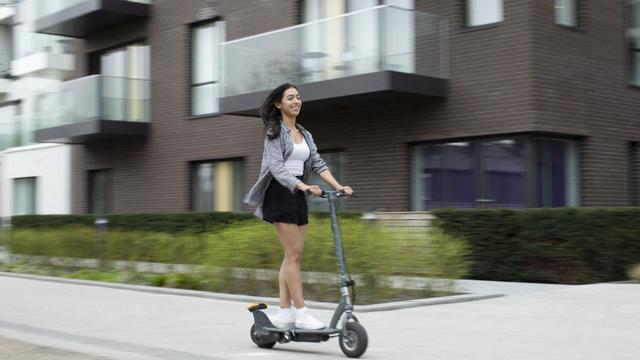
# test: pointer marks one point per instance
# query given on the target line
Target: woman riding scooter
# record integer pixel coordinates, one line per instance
(289, 158)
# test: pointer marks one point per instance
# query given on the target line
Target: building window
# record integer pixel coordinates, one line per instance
(100, 191)
(634, 173)
(124, 82)
(633, 39)
(11, 129)
(502, 173)
(24, 196)
(205, 71)
(365, 42)
(484, 12)
(335, 162)
(513, 172)
(556, 172)
(217, 185)
(566, 12)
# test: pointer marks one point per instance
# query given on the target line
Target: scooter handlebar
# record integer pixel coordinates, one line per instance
(325, 194)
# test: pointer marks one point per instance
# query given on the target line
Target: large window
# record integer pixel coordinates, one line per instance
(634, 173)
(100, 191)
(205, 73)
(354, 46)
(217, 185)
(484, 12)
(633, 38)
(510, 172)
(335, 162)
(24, 196)
(566, 12)
(125, 87)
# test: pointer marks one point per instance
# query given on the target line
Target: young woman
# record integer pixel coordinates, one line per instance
(289, 157)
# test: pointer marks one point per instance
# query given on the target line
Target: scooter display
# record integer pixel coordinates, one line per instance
(344, 324)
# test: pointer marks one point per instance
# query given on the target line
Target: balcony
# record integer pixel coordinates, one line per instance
(82, 18)
(42, 55)
(378, 54)
(94, 108)
(5, 73)
(9, 132)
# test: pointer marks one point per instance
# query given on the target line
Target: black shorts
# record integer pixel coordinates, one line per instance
(280, 205)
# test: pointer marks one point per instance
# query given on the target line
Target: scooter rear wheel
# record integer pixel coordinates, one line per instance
(256, 340)
(354, 342)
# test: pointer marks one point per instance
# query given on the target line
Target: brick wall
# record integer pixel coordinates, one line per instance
(580, 88)
(524, 74)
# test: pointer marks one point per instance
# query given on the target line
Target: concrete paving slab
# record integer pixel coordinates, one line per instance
(579, 322)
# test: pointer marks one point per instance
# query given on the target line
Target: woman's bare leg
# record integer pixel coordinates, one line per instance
(285, 297)
(292, 239)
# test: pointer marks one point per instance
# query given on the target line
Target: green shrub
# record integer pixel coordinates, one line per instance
(564, 245)
(369, 249)
(170, 223)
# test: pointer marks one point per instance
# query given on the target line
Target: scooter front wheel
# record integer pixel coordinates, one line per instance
(354, 341)
(256, 340)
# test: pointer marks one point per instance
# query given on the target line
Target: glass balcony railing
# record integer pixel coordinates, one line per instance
(372, 40)
(49, 7)
(9, 135)
(29, 43)
(96, 97)
(15, 131)
(5, 64)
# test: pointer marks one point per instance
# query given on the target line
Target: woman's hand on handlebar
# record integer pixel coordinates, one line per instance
(347, 190)
(313, 190)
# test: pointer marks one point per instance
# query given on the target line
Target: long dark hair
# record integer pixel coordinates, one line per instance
(270, 114)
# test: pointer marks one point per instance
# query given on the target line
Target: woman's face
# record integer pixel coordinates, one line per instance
(291, 103)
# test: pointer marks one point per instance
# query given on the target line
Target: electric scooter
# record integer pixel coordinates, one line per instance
(344, 324)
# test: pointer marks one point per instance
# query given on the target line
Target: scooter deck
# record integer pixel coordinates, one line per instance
(325, 331)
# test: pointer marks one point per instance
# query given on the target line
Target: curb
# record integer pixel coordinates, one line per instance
(451, 299)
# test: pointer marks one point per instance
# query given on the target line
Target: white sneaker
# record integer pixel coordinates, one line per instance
(285, 318)
(304, 320)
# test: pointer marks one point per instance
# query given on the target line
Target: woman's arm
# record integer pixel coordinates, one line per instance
(329, 179)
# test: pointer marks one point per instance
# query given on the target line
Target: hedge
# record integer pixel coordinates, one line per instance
(562, 245)
(193, 222)
(371, 250)
(171, 223)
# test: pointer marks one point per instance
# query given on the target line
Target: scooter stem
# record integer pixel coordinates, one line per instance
(345, 280)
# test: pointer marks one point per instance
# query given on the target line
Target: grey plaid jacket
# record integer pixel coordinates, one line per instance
(273, 157)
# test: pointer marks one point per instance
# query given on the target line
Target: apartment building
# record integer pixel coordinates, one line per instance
(34, 178)
(415, 104)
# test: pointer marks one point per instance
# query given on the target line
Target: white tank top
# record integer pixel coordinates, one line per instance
(295, 162)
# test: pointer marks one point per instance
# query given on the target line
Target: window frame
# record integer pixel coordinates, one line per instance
(576, 17)
(218, 21)
(35, 195)
(237, 192)
(632, 47)
(530, 152)
(108, 191)
(466, 24)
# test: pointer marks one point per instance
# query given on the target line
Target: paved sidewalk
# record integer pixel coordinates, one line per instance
(17, 350)
(578, 322)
